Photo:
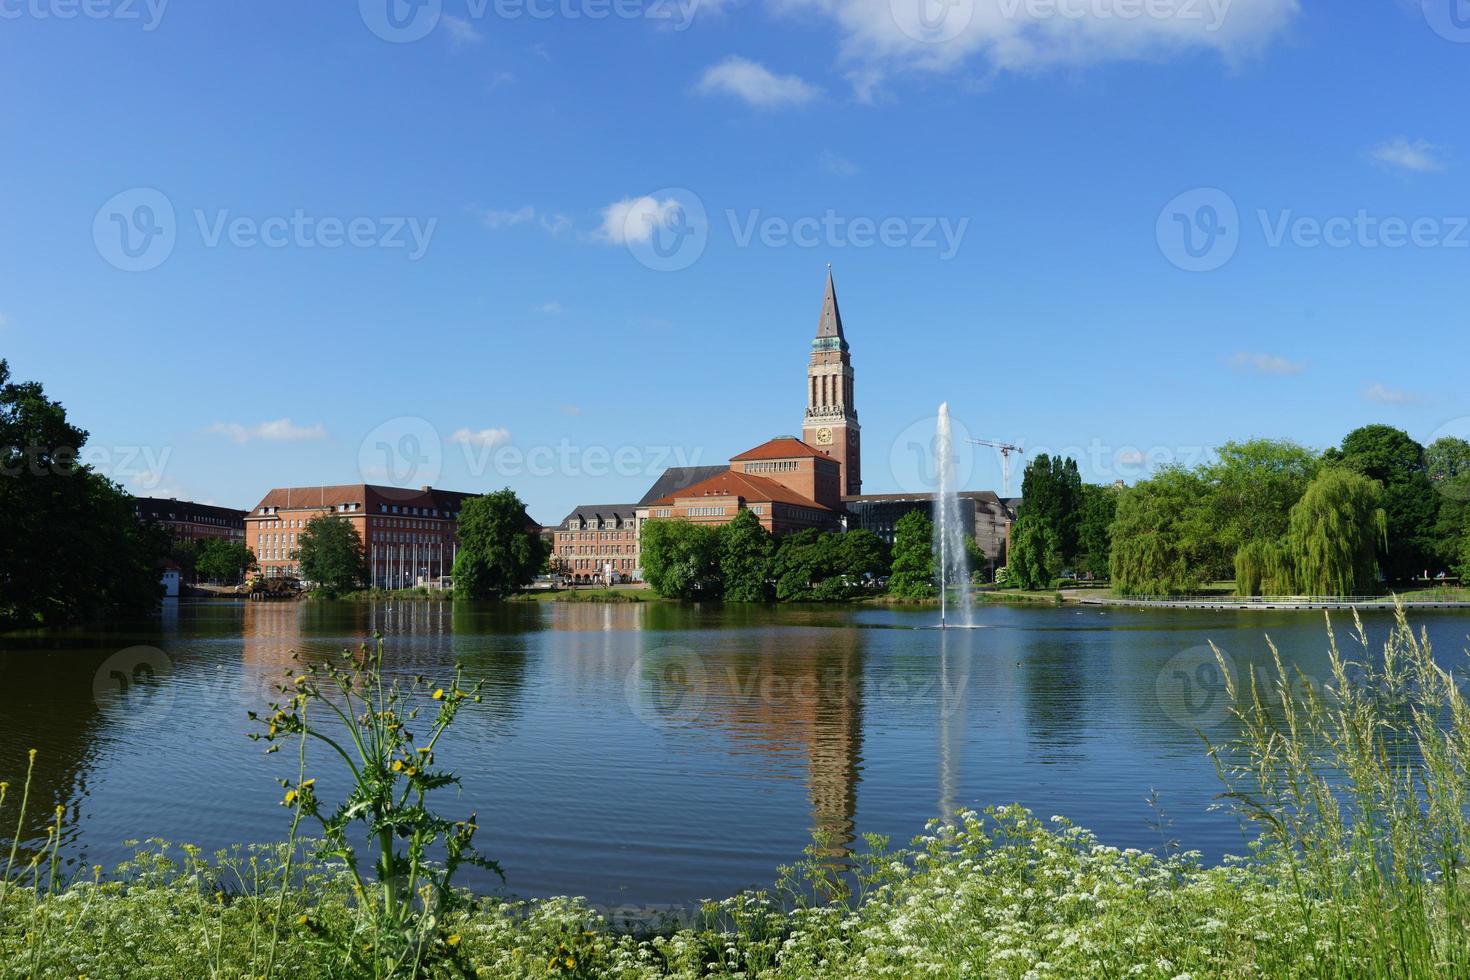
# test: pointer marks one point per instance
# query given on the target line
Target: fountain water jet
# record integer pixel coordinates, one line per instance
(952, 560)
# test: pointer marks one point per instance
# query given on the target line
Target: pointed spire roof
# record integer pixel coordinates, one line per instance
(830, 325)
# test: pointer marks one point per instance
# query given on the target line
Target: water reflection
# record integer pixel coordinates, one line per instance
(660, 752)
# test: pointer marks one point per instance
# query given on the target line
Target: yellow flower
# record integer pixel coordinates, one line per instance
(308, 784)
(453, 940)
(300, 680)
(302, 920)
(439, 694)
(397, 765)
(290, 797)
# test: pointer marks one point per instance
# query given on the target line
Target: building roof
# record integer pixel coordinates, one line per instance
(676, 478)
(747, 487)
(987, 496)
(370, 496)
(781, 447)
(170, 508)
(830, 324)
(593, 511)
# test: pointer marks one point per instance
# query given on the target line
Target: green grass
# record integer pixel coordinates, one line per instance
(1359, 789)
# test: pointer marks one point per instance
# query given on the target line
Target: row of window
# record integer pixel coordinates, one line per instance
(779, 466)
(706, 511)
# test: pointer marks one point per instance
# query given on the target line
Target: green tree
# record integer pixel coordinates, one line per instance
(1160, 536)
(500, 548)
(913, 557)
(219, 560)
(1262, 568)
(1252, 487)
(1095, 528)
(1035, 556)
(863, 554)
(681, 560)
(745, 559)
(1051, 494)
(1448, 461)
(330, 555)
(73, 548)
(1398, 463)
(802, 563)
(1336, 531)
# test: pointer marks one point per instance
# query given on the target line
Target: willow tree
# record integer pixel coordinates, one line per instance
(1263, 568)
(1161, 535)
(1336, 531)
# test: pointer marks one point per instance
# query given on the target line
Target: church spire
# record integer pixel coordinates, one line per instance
(830, 325)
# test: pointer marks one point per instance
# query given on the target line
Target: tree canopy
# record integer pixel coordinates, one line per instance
(681, 559)
(745, 557)
(1335, 534)
(73, 548)
(500, 548)
(1410, 503)
(330, 555)
(913, 557)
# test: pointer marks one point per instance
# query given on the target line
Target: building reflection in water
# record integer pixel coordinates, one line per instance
(785, 697)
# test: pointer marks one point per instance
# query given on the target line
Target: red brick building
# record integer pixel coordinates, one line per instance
(789, 485)
(409, 537)
(597, 543)
(831, 422)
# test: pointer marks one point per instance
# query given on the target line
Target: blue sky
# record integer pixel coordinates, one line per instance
(558, 245)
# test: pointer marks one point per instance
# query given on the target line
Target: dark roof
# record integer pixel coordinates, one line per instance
(676, 478)
(368, 495)
(830, 325)
(747, 487)
(985, 496)
(594, 511)
(170, 509)
(781, 447)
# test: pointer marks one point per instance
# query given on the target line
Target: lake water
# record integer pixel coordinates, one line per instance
(657, 754)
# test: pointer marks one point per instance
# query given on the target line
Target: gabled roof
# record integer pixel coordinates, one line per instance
(781, 447)
(830, 324)
(676, 478)
(747, 487)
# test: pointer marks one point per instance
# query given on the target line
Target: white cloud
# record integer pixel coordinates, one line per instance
(1266, 363)
(280, 430)
(485, 438)
(572, 410)
(1384, 395)
(634, 218)
(755, 83)
(460, 30)
(498, 79)
(507, 219)
(553, 223)
(836, 164)
(550, 309)
(1420, 156)
(865, 84)
(1023, 35)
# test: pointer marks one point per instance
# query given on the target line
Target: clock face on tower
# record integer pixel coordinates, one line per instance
(824, 436)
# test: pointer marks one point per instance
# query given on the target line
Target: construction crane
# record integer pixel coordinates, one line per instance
(1005, 449)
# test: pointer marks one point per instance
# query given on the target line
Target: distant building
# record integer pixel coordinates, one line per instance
(597, 543)
(985, 516)
(789, 485)
(187, 521)
(409, 537)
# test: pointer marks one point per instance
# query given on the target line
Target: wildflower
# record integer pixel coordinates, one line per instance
(439, 694)
(453, 940)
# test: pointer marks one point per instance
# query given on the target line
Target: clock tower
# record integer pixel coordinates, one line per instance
(831, 423)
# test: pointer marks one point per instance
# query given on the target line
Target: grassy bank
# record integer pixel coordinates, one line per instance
(587, 595)
(1360, 792)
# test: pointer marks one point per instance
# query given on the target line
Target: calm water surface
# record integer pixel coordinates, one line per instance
(654, 754)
